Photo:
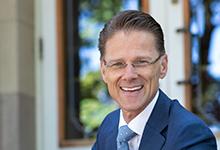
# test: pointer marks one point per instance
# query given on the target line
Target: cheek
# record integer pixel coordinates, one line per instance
(111, 78)
(111, 82)
(113, 91)
(151, 74)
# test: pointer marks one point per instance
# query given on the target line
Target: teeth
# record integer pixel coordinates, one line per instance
(132, 89)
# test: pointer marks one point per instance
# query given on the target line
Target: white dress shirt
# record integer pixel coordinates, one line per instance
(138, 123)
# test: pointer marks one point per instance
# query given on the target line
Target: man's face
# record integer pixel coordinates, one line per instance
(125, 68)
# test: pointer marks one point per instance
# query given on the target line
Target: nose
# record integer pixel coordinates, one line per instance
(129, 72)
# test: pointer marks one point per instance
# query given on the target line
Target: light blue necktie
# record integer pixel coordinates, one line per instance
(124, 135)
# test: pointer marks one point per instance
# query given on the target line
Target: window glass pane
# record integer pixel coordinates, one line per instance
(95, 101)
(205, 79)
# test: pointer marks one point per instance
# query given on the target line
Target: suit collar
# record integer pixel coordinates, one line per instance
(154, 133)
(138, 123)
(112, 131)
(156, 125)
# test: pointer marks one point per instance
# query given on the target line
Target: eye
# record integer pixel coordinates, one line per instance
(117, 65)
(140, 63)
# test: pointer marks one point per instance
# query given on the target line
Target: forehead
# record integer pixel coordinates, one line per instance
(130, 44)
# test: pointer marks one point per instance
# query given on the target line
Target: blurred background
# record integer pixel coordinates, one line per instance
(51, 94)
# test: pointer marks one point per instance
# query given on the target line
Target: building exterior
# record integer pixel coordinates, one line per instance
(30, 34)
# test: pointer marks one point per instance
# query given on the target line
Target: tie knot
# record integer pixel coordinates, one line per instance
(125, 134)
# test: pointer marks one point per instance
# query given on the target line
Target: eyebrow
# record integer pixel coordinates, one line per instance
(115, 60)
(137, 58)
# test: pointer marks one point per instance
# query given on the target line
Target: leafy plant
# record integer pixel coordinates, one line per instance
(93, 112)
(92, 108)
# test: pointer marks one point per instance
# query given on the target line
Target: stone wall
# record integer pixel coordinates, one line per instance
(17, 87)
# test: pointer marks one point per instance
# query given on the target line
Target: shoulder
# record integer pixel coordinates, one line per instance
(107, 130)
(182, 116)
(110, 121)
(112, 117)
(178, 117)
(184, 129)
(187, 129)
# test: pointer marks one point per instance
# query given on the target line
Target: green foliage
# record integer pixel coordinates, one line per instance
(91, 84)
(210, 91)
(101, 10)
(93, 112)
(96, 13)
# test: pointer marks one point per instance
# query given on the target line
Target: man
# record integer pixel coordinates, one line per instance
(133, 59)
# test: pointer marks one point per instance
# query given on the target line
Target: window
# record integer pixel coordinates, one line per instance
(83, 97)
(202, 66)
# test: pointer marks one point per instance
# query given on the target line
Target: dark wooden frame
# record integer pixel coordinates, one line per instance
(61, 70)
(145, 5)
(62, 85)
(187, 55)
(187, 58)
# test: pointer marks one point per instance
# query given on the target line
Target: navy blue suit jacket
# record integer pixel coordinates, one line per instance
(170, 127)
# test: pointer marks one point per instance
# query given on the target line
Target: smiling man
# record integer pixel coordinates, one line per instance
(133, 60)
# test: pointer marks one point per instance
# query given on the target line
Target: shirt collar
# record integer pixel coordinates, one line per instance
(138, 123)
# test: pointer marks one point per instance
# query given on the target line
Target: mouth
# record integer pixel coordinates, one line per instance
(131, 89)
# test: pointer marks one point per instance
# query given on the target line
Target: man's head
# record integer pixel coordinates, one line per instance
(133, 60)
(132, 20)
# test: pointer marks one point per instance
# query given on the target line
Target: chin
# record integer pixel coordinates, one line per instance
(132, 108)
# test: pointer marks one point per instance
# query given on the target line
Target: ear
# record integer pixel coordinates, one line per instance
(103, 70)
(164, 66)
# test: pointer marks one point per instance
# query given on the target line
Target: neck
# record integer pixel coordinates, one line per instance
(128, 116)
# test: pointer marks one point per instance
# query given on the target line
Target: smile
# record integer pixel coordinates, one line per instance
(132, 89)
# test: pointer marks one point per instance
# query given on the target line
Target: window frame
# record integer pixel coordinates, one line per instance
(61, 63)
(187, 55)
(187, 59)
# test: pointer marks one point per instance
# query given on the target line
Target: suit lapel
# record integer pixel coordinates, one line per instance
(151, 140)
(111, 135)
(111, 143)
(153, 137)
